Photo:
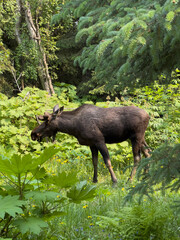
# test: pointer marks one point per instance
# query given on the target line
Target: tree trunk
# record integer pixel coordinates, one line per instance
(43, 70)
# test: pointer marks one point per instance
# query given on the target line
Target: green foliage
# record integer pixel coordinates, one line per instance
(17, 117)
(28, 204)
(30, 61)
(10, 205)
(5, 63)
(31, 225)
(163, 172)
(108, 218)
(22, 57)
(64, 180)
(81, 192)
(66, 90)
(126, 44)
(162, 104)
(146, 221)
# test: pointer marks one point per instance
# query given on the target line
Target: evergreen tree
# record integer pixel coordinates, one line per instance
(163, 172)
(126, 43)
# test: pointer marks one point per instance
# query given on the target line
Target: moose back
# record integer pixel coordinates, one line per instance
(94, 127)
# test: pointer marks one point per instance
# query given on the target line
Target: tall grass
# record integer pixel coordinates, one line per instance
(106, 217)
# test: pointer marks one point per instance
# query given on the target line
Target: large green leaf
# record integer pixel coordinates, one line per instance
(65, 180)
(31, 224)
(46, 196)
(81, 192)
(18, 164)
(10, 205)
(46, 155)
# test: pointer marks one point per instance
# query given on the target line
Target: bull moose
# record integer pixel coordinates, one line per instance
(94, 127)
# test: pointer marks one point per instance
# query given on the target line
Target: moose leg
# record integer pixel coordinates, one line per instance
(94, 152)
(137, 156)
(104, 152)
(145, 149)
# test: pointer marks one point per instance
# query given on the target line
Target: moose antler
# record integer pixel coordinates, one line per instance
(37, 119)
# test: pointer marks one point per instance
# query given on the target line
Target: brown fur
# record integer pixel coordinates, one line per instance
(94, 127)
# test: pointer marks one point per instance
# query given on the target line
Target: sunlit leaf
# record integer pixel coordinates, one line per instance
(31, 225)
(81, 192)
(10, 205)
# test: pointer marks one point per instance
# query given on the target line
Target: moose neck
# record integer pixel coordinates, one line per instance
(66, 123)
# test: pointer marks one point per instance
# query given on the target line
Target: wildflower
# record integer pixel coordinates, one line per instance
(108, 193)
(162, 166)
(85, 206)
(123, 189)
(89, 216)
(33, 205)
(61, 223)
(58, 196)
(91, 225)
(133, 186)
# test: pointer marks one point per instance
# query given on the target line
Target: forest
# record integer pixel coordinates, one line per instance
(109, 53)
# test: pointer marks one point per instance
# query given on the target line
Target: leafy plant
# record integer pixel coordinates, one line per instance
(18, 117)
(30, 198)
(150, 220)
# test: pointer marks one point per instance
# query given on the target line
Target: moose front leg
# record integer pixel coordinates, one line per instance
(94, 152)
(104, 152)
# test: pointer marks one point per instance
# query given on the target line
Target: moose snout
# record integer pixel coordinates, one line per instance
(35, 136)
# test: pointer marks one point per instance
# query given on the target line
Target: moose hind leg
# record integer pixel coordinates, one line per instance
(145, 149)
(94, 152)
(137, 156)
(104, 152)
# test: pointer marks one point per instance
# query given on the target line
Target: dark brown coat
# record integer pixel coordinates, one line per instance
(94, 127)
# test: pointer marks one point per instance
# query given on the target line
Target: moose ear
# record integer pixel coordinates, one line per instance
(61, 109)
(56, 109)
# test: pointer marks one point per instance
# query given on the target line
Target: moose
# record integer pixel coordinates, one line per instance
(94, 127)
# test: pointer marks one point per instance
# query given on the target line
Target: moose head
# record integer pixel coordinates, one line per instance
(49, 126)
